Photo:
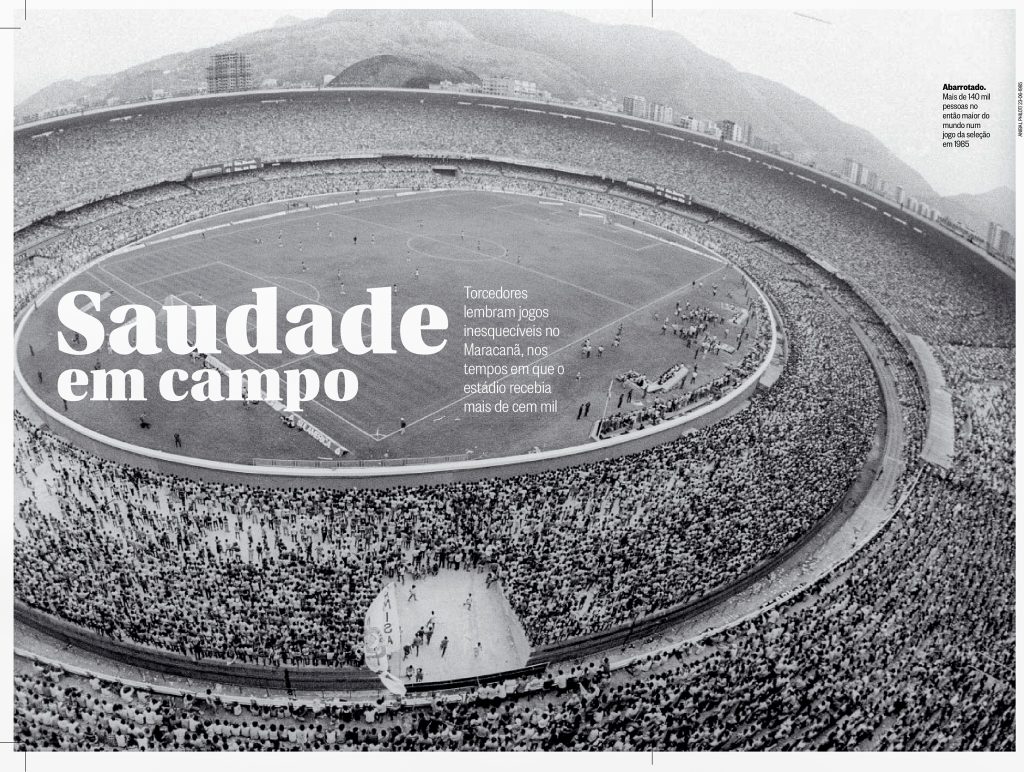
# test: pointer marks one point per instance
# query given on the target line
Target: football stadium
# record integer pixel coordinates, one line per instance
(563, 244)
(763, 498)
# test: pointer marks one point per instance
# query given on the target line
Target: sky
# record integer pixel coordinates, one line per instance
(880, 70)
(99, 42)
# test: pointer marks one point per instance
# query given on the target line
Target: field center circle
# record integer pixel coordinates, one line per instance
(158, 268)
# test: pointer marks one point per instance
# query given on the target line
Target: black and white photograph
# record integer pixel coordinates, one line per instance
(633, 378)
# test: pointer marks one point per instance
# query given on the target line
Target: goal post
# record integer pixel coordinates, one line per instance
(591, 214)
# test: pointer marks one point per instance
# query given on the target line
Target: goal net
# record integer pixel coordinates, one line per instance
(174, 300)
(590, 214)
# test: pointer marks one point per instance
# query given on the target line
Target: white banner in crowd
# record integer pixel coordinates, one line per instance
(381, 631)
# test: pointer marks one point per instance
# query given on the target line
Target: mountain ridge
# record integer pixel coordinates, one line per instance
(568, 55)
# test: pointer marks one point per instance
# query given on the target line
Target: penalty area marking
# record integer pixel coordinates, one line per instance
(316, 401)
(247, 359)
(476, 257)
(374, 472)
(176, 273)
(580, 231)
(671, 243)
(422, 236)
(103, 296)
(288, 289)
(298, 281)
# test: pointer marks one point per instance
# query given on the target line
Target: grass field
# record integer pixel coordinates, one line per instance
(592, 276)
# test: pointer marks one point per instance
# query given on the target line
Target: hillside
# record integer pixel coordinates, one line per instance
(999, 205)
(567, 55)
(392, 71)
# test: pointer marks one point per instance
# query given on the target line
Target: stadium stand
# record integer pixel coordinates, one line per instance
(908, 645)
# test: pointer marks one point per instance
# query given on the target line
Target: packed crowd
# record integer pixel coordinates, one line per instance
(815, 430)
(572, 547)
(50, 252)
(87, 162)
(908, 646)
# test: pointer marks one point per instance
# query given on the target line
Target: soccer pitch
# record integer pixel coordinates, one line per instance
(591, 275)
